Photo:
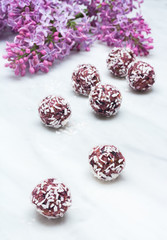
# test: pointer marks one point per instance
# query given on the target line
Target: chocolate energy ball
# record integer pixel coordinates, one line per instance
(51, 198)
(106, 162)
(84, 77)
(141, 76)
(54, 111)
(118, 61)
(105, 100)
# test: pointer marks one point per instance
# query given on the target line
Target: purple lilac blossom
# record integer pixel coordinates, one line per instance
(50, 29)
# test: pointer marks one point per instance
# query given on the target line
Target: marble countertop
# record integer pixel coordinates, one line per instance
(133, 207)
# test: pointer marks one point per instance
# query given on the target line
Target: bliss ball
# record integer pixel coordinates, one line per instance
(106, 162)
(118, 61)
(105, 100)
(85, 77)
(51, 198)
(54, 111)
(141, 76)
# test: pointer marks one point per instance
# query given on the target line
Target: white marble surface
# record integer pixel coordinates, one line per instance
(132, 207)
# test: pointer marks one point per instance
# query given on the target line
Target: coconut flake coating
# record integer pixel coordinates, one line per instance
(118, 61)
(141, 76)
(51, 198)
(54, 111)
(106, 162)
(85, 77)
(105, 100)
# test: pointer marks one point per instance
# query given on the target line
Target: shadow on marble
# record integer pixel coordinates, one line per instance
(130, 90)
(50, 222)
(70, 129)
(103, 118)
(119, 179)
(57, 130)
(78, 95)
(28, 75)
(112, 77)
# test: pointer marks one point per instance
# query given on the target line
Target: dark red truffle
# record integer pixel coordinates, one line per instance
(54, 111)
(141, 76)
(118, 61)
(51, 198)
(105, 100)
(84, 78)
(106, 162)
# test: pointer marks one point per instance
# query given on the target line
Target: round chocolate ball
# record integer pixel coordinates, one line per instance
(106, 162)
(118, 60)
(105, 100)
(141, 76)
(54, 111)
(85, 77)
(51, 198)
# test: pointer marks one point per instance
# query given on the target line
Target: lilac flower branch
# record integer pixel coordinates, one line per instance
(51, 29)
